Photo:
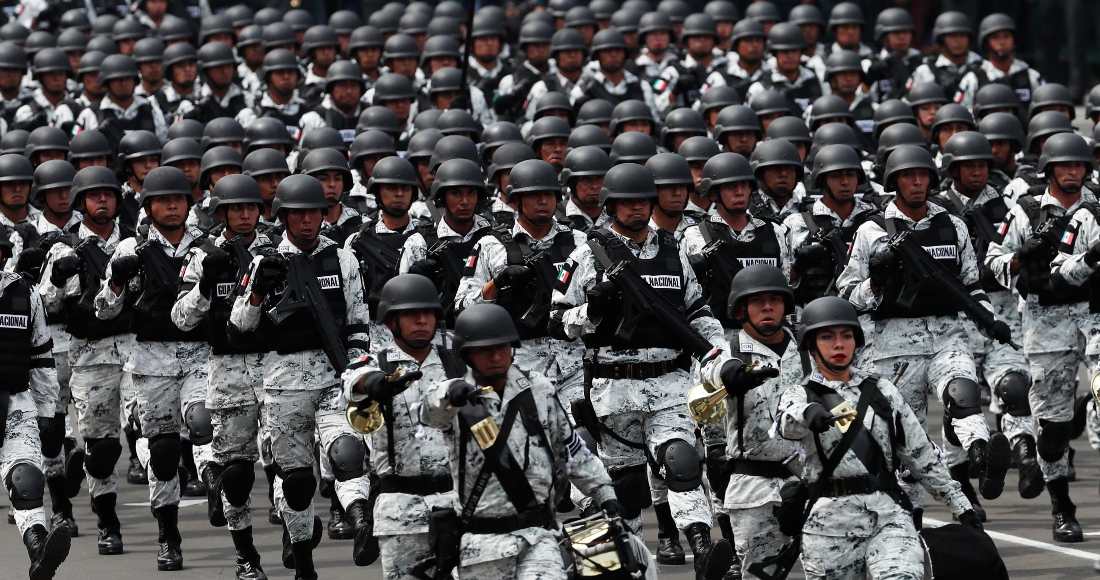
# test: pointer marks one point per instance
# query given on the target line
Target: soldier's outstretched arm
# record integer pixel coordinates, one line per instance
(791, 414)
(245, 317)
(583, 467)
(435, 410)
(999, 257)
(359, 369)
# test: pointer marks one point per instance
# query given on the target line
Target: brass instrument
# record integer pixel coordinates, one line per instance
(590, 550)
(707, 403)
(1094, 386)
(365, 416)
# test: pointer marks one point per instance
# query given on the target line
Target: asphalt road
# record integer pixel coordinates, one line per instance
(1021, 530)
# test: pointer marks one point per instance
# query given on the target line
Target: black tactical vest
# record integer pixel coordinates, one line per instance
(339, 233)
(339, 121)
(900, 69)
(298, 332)
(223, 293)
(15, 338)
(39, 117)
(377, 272)
(156, 325)
(456, 250)
(816, 282)
(1019, 81)
(593, 89)
(80, 321)
(115, 127)
(291, 121)
(984, 228)
(663, 272)
(764, 248)
(208, 108)
(1035, 277)
(864, 115)
(947, 78)
(800, 97)
(940, 240)
(520, 301)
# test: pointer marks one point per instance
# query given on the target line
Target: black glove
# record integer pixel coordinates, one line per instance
(216, 263)
(970, 518)
(124, 268)
(1093, 255)
(878, 70)
(31, 259)
(427, 267)
(601, 295)
(268, 272)
(717, 460)
(738, 380)
(382, 389)
(685, 84)
(811, 255)
(1001, 331)
(514, 275)
(63, 269)
(612, 508)
(882, 265)
(458, 394)
(818, 419)
(1031, 250)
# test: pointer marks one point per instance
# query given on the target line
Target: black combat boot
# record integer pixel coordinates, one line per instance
(110, 535)
(190, 484)
(712, 559)
(960, 473)
(993, 459)
(303, 560)
(1066, 528)
(170, 557)
(62, 507)
(47, 550)
(1031, 476)
(724, 524)
(669, 550)
(215, 510)
(366, 549)
(288, 548)
(74, 470)
(338, 526)
(135, 473)
(248, 559)
(272, 512)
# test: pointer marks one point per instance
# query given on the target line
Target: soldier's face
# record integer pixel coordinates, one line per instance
(949, 129)
(156, 8)
(700, 46)
(725, 29)
(240, 218)
(586, 189)
(126, 46)
(751, 49)
(899, 41)
(913, 186)
(553, 150)
(657, 41)
(1002, 151)
(14, 193)
(99, 205)
(767, 119)
(970, 176)
(1002, 42)
(461, 202)
(184, 73)
(926, 114)
(346, 94)
(439, 62)
(697, 172)
(630, 37)
(538, 52)
(423, 170)
(215, 174)
(733, 196)
(1069, 177)
(842, 184)
(368, 57)
(400, 107)
(490, 360)
(634, 214)
(74, 58)
(538, 206)
(253, 55)
(611, 59)
(190, 168)
(48, 155)
(57, 200)
(780, 179)
(284, 81)
(486, 48)
(91, 162)
(53, 82)
(141, 167)
(678, 139)
(587, 32)
(220, 76)
(11, 78)
(765, 312)
(811, 32)
(569, 61)
(845, 82)
(366, 165)
(168, 211)
(152, 72)
(835, 345)
(416, 326)
(324, 56)
(672, 199)
(638, 125)
(742, 142)
(847, 35)
(788, 61)
(333, 182)
(956, 44)
(304, 224)
(269, 183)
(395, 196)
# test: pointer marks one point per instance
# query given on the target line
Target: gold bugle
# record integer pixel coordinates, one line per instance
(1094, 386)
(366, 417)
(706, 404)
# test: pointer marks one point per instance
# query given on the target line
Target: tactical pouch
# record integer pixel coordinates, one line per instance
(444, 535)
(791, 511)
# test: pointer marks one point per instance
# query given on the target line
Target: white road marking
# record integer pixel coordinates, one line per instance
(183, 503)
(1031, 543)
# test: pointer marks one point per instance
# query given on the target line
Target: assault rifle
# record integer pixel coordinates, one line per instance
(161, 278)
(443, 253)
(722, 265)
(239, 255)
(922, 269)
(539, 263)
(303, 292)
(94, 261)
(377, 259)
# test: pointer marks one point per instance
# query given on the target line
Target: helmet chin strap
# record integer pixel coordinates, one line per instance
(767, 331)
(832, 367)
(634, 226)
(829, 192)
(418, 343)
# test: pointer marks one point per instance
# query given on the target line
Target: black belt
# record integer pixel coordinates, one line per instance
(858, 485)
(417, 485)
(640, 371)
(756, 468)
(532, 518)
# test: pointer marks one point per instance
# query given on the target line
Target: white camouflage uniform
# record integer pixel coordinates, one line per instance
(87, 120)
(969, 86)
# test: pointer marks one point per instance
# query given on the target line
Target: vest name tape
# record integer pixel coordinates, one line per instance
(866, 125)
(663, 282)
(802, 103)
(13, 321)
(949, 252)
(224, 289)
(329, 282)
(348, 135)
(746, 262)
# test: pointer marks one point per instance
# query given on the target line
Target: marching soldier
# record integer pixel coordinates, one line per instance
(746, 58)
(641, 420)
(798, 83)
(235, 367)
(953, 33)
(1040, 229)
(610, 81)
(341, 104)
(582, 176)
(997, 40)
(927, 334)
(166, 364)
(672, 175)
(121, 111)
(302, 394)
(219, 95)
(569, 51)
(409, 459)
(778, 168)
(281, 75)
(330, 167)
(893, 66)
(860, 495)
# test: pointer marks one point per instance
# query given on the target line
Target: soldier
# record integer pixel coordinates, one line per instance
(509, 533)
(582, 176)
(639, 419)
(883, 542)
(672, 175)
(737, 130)
(13, 94)
(1057, 299)
(610, 81)
(341, 105)
(953, 33)
(655, 38)
(166, 363)
(330, 167)
(501, 214)
(121, 111)
(926, 98)
(844, 73)
(779, 170)
(89, 148)
(891, 69)
(49, 105)
(301, 390)
(967, 158)
(181, 71)
(87, 77)
(697, 151)
(486, 68)
(280, 100)
(746, 466)
(684, 81)
(16, 177)
(138, 154)
(149, 56)
(186, 155)
(411, 461)
(235, 366)
(997, 39)
(365, 49)
(746, 59)
(319, 46)
(548, 137)
(445, 92)
(535, 40)
(837, 175)
(569, 51)
(219, 95)
(396, 93)
(928, 334)
(798, 83)
(97, 347)
(1006, 139)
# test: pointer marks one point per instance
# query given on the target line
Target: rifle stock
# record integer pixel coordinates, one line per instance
(642, 300)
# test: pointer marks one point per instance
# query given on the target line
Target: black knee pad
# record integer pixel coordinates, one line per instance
(962, 398)
(101, 456)
(199, 427)
(298, 487)
(164, 455)
(631, 489)
(1054, 437)
(683, 468)
(348, 455)
(1013, 389)
(26, 486)
(237, 481)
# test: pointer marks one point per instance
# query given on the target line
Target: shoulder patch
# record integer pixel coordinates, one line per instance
(1069, 237)
(565, 275)
(470, 265)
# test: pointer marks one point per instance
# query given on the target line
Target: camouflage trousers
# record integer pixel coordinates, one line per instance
(995, 360)
(1052, 396)
(22, 445)
(654, 429)
(756, 535)
(295, 419)
(535, 556)
(400, 553)
(98, 399)
(233, 395)
(55, 466)
(892, 551)
(160, 404)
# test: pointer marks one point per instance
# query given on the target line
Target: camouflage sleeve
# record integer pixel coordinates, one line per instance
(53, 297)
(570, 293)
(968, 87)
(783, 234)
(584, 468)
(1082, 233)
(436, 411)
(854, 283)
(191, 306)
(923, 74)
(414, 250)
(244, 316)
(792, 414)
(358, 313)
(999, 256)
(488, 259)
(701, 319)
(107, 303)
(359, 368)
(43, 376)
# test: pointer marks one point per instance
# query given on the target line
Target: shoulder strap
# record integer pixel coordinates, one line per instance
(811, 223)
